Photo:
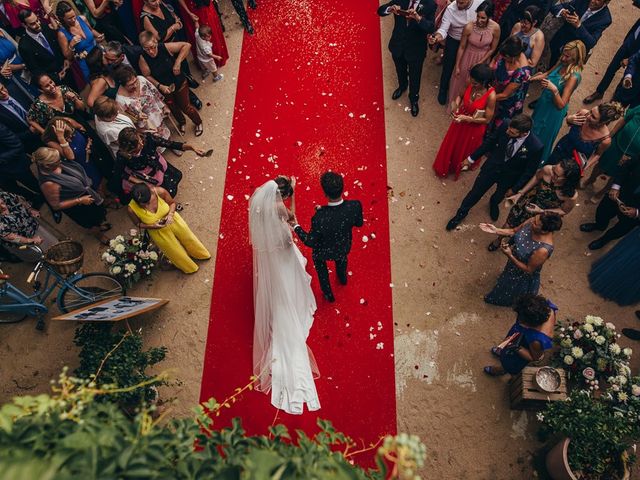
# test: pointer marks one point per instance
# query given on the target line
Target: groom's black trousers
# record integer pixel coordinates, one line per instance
(320, 263)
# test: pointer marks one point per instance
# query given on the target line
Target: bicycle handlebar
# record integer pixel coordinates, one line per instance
(33, 247)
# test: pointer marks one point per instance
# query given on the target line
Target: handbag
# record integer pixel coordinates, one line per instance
(510, 345)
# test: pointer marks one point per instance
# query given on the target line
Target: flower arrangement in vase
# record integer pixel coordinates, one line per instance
(130, 258)
(589, 351)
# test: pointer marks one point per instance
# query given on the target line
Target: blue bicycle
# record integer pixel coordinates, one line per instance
(76, 291)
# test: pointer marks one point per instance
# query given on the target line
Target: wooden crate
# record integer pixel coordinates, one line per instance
(525, 394)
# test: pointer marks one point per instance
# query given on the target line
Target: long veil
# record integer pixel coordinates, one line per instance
(276, 287)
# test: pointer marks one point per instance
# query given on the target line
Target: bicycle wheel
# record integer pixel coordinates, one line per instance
(89, 289)
(10, 317)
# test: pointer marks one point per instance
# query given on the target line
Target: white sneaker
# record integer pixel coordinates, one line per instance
(218, 77)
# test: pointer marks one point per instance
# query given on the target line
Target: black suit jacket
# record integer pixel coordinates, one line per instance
(330, 234)
(30, 140)
(631, 45)
(520, 167)
(515, 11)
(629, 180)
(409, 39)
(37, 58)
(589, 31)
(13, 158)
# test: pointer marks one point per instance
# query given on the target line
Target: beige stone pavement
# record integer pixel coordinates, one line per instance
(444, 329)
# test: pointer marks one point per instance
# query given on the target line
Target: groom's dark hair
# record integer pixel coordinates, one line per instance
(332, 184)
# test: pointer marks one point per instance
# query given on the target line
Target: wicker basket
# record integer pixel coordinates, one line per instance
(66, 257)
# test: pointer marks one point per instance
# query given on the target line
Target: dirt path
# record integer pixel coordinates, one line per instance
(444, 329)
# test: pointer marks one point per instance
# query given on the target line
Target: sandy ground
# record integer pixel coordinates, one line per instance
(443, 328)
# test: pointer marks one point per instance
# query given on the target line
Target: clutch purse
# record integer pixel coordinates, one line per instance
(479, 114)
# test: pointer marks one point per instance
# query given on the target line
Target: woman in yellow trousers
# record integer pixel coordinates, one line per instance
(152, 208)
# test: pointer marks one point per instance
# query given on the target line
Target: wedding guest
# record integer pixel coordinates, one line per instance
(101, 80)
(623, 202)
(67, 187)
(533, 331)
(625, 144)
(40, 50)
(192, 11)
(512, 75)
(558, 85)
(161, 64)
(528, 31)
(138, 160)
(588, 134)
(615, 275)
(15, 172)
(19, 225)
(206, 58)
(456, 16)
(160, 19)
(630, 45)
(628, 90)
(110, 122)
(54, 100)
(142, 101)
(74, 146)
(530, 246)
(552, 189)
(12, 68)
(238, 6)
(407, 46)
(107, 20)
(76, 38)
(584, 20)
(13, 8)
(515, 13)
(116, 54)
(472, 114)
(14, 115)
(513, 156)
(478, 42)
(153, 209)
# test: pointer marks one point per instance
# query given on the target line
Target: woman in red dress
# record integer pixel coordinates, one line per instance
(205, 13)
(470, 121)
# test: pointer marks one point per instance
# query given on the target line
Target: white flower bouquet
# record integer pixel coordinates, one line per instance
(128, 259)
(589, 351)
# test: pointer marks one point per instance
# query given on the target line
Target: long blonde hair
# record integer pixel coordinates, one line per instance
(578, 58)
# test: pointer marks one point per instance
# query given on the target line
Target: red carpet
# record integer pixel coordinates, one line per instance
(309, 99)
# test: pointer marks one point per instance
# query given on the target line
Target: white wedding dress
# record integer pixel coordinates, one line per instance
(283, 305)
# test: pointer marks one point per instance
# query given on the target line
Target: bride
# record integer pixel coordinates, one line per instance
(283, 302)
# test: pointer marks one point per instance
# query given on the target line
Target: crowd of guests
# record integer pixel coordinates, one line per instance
(491, 51)
(91, 94)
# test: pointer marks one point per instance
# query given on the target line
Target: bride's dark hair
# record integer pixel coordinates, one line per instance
(284, 186)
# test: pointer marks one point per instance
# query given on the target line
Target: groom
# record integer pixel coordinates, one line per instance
(330, 234)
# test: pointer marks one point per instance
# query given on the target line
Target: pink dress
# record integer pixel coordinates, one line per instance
(478, 44)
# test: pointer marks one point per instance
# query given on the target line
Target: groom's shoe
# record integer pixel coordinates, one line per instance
(455, 221)
(329, 297)
(397, 93)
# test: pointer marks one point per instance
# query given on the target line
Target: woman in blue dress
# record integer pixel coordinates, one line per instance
(77, 39)
(615, 275)
(589, 134)
(531, 245)
(559, 83)
(11, 64)
(528, 337)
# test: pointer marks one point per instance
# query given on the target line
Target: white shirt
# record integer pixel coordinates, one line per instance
(108, 131)
(454, 20)
(589, 13)
(203, 48)
(40, 38)
(517, 143)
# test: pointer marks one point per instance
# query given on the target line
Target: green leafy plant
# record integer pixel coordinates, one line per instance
(599, 434)
(109, 356)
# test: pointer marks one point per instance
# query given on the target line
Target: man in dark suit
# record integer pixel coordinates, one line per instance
(330, 234)
(13, 113)
(623, 201)
(628, 90)
(584, 20)
(630, 45)
(515, 12)
(40, 50)
(414, 19)
(514, 154)
(15, 172)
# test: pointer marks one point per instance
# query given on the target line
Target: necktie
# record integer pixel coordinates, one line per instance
(18, 110)
(43, 41)
(412, 4)
(511, 145)
(586, 15)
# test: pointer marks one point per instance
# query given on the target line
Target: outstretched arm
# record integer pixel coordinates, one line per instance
(312, 237)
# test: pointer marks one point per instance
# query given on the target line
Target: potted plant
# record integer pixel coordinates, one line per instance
(130, 258)
(591, 439)
(589, 352)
